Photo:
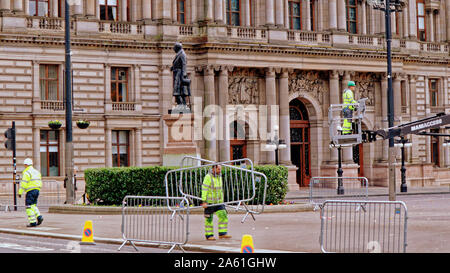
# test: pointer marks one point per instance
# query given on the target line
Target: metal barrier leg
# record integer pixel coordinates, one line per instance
(131, 242)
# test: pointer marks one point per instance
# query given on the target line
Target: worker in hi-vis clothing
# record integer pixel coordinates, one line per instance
(212, 193)
(347, 98)
(31, 184)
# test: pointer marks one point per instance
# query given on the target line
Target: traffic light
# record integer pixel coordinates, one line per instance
(10, 142)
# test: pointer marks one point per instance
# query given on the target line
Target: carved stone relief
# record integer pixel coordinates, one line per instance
(365, 86)
(243, 87)
(312, 82)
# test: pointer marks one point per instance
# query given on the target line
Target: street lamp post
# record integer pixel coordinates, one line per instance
(386, 6)
(403, 143)
(276, 144)
(70, 191)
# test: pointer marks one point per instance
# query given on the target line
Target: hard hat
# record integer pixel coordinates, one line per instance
(351, 83)
(28, 161)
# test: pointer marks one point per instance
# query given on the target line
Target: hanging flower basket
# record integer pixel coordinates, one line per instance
(54, 124)
(83, 124)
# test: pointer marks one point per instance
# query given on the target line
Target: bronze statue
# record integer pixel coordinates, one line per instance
(181, 82)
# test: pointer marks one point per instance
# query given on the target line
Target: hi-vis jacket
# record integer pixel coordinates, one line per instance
(31, 180)
(212, 192)
(348, 98)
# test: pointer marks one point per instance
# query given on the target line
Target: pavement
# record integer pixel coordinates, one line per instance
(279, 229)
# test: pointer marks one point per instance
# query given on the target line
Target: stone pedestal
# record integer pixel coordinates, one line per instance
(292, 178)
(178, 138)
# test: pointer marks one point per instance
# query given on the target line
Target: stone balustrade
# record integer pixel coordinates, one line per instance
(149, 31)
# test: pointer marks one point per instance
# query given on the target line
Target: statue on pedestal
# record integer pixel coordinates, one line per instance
(181, 82)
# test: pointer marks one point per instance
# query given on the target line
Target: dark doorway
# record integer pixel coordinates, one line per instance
(300, 141)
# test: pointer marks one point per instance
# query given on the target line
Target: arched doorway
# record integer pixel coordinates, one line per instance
(300, 141)
(238, 143)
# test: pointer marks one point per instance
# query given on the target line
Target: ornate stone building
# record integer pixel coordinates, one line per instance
(296, 55)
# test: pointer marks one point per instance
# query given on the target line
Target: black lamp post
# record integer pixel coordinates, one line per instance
(388, 7)
(402, 143)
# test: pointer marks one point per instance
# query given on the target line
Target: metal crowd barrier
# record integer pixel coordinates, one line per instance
(363, 226)
(50, 194)
(325, 188)
(244, 189)
(155, 219)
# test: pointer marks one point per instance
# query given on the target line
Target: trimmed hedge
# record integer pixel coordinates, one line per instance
(109, 186)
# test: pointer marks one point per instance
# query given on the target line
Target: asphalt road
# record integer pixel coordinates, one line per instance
(11, 243)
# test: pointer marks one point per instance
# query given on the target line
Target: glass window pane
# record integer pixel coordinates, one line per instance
(52, 71)
(122, 92)
(112, 2)
(421, 23)
(352, 14)
(420, 9)
(53, 164)
(235, 19)
(32, 6)
(102, 13)
(42, 8)
(44, 164)
(122, 74)
(114, 137)
(123, 137)
(123, 150)
(101, 2)
(235, 5)
(52, 90)
(296, 23)
(113, 13)
(43, 137)
(295, 9)
(123, 160)
(181, 6)
(113, 92)
(114, 160)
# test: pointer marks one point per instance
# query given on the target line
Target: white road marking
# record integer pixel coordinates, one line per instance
(25, 248)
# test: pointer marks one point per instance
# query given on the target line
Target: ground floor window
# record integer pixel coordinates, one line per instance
(121, 148)
(49, 149)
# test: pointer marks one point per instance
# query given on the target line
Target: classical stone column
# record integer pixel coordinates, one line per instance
(397, 99)
(413, 116)
(146, 9)
(90, 8)
(5, 5)
(124, 7)
(332, 14)
(210, 99)
(194, 15)
(307, 13)
(36, 147)
(412, 11)
(108, 148)
(107, 83)
(384, 117)
(209, 12)
(405, 17)
(447, 18)
(269, 12)
(224, 140)
(285, 154)
(248, 13)
(218, 11)
(138, 136)
(430, 25)
(78, 10)
(279, 13)
(166, 88)
(334, 99)
(363, 18)
(341, 15)
(18, 6)
(271, 101)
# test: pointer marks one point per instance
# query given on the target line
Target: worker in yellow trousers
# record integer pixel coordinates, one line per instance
(347, 98)
(31, 184)
(212, 197)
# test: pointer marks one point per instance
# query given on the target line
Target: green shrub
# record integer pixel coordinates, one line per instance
(111, 185)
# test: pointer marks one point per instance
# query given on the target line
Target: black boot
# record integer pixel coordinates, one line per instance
(40, 219)
(32, 225)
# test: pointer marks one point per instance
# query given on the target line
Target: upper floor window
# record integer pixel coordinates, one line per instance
(108, 9)
(119, 84)
(49, 81)
(233, 12)
(434, 92)
(295, 12)
(39, 7)
(352, 16)
(181, 11)
(421, 22)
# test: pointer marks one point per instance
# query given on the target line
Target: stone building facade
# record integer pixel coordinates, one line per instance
(296, 55)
